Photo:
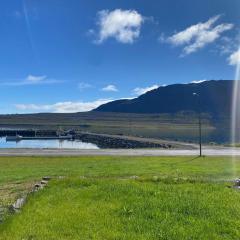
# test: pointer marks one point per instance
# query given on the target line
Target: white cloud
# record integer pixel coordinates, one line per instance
(189, 33)
(123, 25)
(83, 85)
(140, 91)
(62, 107)
(234, 58)
(199, 81)
(31, 80)
(199, 35)
(110, 88)
(227, 45)
(35, 79)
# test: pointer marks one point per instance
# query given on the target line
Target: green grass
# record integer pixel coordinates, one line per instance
(33, 168)
(172, 198)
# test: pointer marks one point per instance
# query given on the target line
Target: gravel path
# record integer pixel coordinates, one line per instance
(208, 151)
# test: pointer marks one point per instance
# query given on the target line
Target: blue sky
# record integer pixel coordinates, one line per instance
(72, 55)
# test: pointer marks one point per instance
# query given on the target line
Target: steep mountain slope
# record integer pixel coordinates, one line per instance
(214, 97)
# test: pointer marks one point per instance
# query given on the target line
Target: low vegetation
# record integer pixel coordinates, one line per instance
(179, 126)
(123, 198)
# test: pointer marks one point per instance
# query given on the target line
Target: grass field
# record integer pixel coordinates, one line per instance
(101, 198)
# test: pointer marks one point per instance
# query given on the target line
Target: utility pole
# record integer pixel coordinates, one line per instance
(199, 123)
(130, 126)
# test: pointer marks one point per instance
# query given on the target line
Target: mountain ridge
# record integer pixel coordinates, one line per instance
(215, 97)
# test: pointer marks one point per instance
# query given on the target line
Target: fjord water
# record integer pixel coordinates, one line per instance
(236, 114)
(55, 143)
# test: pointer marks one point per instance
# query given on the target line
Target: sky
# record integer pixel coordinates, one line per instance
(73, 55)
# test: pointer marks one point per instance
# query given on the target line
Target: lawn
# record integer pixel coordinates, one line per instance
(122, 198)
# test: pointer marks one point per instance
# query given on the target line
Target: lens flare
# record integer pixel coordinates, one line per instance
(236, 112)
(28, 28)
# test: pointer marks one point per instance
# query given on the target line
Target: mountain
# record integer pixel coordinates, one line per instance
(214, 97)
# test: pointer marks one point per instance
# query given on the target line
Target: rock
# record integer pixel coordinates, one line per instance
(133, 177)
(237, 182)
(43, 182)
(113, 142)
(47, 178)
(18, 204)
(37, 185)
(16, 207)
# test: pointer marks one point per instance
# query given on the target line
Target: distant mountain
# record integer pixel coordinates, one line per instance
(214, 97)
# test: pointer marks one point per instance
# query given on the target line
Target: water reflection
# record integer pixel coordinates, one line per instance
(55, 143)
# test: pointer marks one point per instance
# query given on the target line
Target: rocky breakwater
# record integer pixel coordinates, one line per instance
(116, 143)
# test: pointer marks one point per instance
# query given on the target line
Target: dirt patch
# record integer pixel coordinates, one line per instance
(10, 192)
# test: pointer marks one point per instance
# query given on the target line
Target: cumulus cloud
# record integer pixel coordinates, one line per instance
(62, 107)
(110, 88)
(199, 35)
(140, 91)
(123, 25)
(234, 58)
(31, 80)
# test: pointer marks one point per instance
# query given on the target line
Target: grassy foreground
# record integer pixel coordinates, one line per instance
(99, 198)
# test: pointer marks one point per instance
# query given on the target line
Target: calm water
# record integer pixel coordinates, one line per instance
(47, 144)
